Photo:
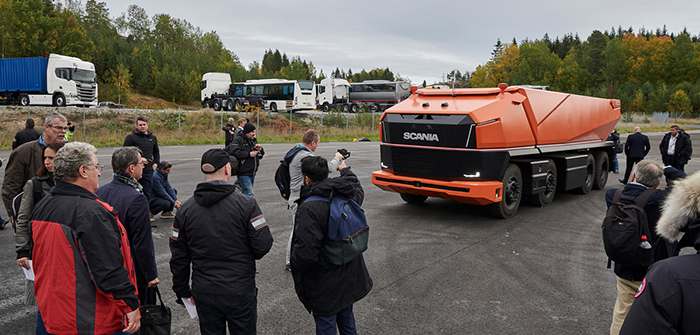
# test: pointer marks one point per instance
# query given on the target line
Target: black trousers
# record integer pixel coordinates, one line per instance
(630, 165)
(238, 310)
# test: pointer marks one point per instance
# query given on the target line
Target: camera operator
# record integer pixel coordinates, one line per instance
(248, 152)
(307, 147)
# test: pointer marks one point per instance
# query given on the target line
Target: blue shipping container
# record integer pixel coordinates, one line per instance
(23, 74)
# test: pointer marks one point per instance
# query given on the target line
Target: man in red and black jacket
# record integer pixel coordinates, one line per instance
(85, 281)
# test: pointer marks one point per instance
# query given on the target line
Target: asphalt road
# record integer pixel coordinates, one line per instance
(443, 267)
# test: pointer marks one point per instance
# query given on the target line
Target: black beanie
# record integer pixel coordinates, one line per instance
(248, 128)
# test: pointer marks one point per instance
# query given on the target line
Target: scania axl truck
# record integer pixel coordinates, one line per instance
(54, 81)
(495, 146)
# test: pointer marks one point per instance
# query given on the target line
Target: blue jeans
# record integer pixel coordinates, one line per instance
(41, 329)
(247, 184)
(345, 319)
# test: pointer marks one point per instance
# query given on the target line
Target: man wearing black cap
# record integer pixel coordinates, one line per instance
(248, 152)
(220, 233)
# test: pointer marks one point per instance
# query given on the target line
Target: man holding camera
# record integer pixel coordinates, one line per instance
(308, 146)
(248, 152)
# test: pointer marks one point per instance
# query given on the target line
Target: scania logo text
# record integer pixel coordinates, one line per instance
(420, 137)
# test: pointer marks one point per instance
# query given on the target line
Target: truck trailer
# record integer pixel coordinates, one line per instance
(495, 146)
(378, 94)
(56, 81)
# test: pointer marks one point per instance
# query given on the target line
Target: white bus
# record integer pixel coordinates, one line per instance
(282, 94)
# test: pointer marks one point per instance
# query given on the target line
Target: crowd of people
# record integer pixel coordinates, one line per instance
(91, 247)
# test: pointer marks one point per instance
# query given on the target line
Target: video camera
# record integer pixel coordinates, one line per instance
(345, 153)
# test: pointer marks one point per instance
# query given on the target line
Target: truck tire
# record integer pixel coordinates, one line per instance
(236, 104)
(413, 199)
(326, 107)
(512, 194)
(229, 105)
(24, 100)
(217, 105)
(344, 108)
(545, 198)
(590, 176)
(602, 167)
(59, 100)
(273, 107)
(205, 103)
(354, 108)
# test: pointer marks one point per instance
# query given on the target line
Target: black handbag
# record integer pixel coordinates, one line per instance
(155, 319)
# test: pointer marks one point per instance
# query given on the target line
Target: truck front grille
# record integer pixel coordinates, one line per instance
(87, 92)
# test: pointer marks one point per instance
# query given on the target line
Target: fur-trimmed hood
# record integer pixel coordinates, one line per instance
(681, 211)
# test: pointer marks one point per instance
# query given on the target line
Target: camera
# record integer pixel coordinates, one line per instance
(345, 153)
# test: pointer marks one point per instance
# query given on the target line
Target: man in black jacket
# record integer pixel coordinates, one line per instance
(327, 291)
(220, 233)
(675, 148)
(148, 143)
(668, 299)
(249, 153)
(636, 148)
(228, 129)
(25, 135)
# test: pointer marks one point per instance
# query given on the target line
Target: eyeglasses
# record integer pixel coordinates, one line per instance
(60, 128)
(99, 167)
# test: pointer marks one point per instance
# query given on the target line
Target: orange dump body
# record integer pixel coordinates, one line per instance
(457, 144)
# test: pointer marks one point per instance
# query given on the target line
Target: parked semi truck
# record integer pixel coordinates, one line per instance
(57, 81)
(332, 93)
(495, 146)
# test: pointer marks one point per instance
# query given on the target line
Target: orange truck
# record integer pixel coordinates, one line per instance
(496, 146)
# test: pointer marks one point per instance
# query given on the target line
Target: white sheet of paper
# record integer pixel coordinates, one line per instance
(190, 307)
(29, 273)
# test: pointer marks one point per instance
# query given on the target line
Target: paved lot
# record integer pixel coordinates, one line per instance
(443, 267)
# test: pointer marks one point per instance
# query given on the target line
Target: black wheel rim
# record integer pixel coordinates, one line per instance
(512, 192)
(551, 184)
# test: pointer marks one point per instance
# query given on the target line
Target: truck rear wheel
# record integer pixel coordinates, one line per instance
(236, 104)
(590, 176)
(545, 198)
(354, 108)
(345, 108)
(24, 100)
(512, 194)
(602, 168)
(229, 105)
(413, 199)
(217, 105)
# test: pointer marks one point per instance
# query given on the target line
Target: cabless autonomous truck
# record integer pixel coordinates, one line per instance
(495, 146)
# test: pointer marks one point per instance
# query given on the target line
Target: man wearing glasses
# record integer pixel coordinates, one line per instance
(27, 159)
(125, 194)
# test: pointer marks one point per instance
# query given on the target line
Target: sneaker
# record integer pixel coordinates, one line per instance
(288, 267)
(152, 217)
(167, 215)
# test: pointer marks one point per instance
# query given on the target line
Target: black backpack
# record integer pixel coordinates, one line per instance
(17, 200)
(282, 177)
(623, 227)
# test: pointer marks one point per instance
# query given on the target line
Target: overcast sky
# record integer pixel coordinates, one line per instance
(420, 40)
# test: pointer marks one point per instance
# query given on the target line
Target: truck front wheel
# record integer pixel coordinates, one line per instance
(59, 100)
(602, 168)
(512, 194)
(413, 199)
(590, 176)
(24, 100)
(545, 198)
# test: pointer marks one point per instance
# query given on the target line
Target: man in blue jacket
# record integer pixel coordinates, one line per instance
(125, 194)
(164, 197)
(636, 148)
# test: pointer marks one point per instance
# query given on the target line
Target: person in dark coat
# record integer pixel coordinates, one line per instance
(148, 143)
(327, 291)
(647, 176)
(675, 148)
(249, 153)
(219, 234)
(637, 147)
(228, 129)
(164, 196)
(125, 194)
(25, 135)
(668, 299)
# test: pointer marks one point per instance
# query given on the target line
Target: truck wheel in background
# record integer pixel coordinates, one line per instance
(545, 198)
(326, 107)
(413, 199)
(24, 100)
(229, 105)
(590, 176)
(205, 103)
(217, 105)
(512, 194)
(59, 100)
(236, 104)
(345, 108)
(601, 170)
(273, 107)
(354, 108)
